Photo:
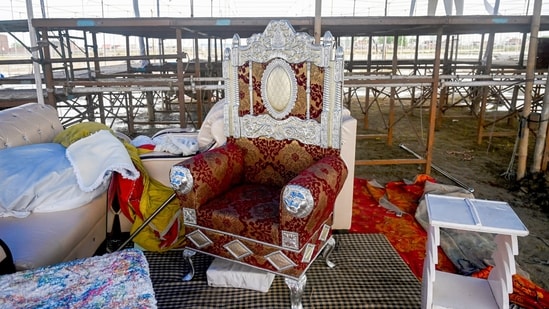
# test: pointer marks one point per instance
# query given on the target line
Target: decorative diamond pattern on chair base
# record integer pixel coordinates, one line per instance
(199, 239)
(301, 259)
(238, 249)
(279, 260)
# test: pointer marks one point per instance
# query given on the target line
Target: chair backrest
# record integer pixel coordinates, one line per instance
(281, 85)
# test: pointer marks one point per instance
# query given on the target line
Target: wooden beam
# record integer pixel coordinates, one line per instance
(433, 106)
(390, 161)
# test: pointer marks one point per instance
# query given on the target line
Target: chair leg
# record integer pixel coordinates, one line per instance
(330, 245)
(188, 254)
(296, 290)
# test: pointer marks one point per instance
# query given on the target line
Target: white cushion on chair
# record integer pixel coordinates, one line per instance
(224, 273)
(343, 208)
(212, 127)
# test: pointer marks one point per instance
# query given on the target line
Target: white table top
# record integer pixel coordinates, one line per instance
(474, 215)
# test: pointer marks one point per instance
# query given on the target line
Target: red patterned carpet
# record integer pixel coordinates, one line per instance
(409, 238)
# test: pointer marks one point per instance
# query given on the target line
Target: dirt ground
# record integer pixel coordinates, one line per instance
(485, 167)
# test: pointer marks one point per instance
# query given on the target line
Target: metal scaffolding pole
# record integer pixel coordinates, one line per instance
(35, 54)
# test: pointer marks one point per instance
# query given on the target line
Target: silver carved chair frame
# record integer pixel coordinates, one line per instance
(305, 112)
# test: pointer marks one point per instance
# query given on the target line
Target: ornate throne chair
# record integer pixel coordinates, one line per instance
(266, 198)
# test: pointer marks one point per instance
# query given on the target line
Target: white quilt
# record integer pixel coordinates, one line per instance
(48, 177)
(39, 178)
(95, 157)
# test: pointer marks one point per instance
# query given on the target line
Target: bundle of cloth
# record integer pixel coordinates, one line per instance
(139, 198)
(184, 144)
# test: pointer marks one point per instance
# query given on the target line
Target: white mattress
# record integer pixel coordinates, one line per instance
(48, 238)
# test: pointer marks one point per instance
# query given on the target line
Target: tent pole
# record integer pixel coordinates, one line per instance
(35, 55)
(542, 132)
(530, 68)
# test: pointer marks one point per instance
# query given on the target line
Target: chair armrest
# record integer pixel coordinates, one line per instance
(308, 199)
(199, 179)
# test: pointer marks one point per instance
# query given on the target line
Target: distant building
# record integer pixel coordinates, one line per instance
(4, 45)
(514, 41)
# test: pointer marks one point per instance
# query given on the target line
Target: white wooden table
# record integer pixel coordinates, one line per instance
(446, 290)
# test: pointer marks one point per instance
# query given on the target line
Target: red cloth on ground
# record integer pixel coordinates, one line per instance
(409, 238)
(404, 232)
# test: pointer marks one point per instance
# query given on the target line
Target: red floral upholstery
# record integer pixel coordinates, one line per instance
(221, 171)
(228, 198)
(266, 198)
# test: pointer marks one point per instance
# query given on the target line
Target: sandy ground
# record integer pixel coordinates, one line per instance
(483, 167)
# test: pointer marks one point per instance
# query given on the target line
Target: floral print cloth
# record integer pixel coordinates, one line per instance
(115, 280)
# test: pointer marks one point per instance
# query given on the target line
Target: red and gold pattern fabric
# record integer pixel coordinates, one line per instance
(276, 162)
(226, 200)
(300, 107)
(324, 180)
(215, 171)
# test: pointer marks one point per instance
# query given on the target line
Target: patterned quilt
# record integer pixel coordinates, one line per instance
(116, 280)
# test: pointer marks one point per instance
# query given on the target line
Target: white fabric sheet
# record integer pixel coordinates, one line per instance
(224, 273)
(39, 178)
(179, 144)
(95, 157)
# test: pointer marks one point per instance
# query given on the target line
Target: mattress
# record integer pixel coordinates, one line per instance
(47, 238)
(159, 167)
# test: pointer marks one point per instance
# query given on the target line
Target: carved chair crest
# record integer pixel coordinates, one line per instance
(283, 86)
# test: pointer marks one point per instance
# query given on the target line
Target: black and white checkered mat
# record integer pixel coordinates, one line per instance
(368, 274)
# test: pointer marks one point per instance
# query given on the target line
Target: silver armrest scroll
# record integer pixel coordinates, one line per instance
(298, 200)
(181, 179)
